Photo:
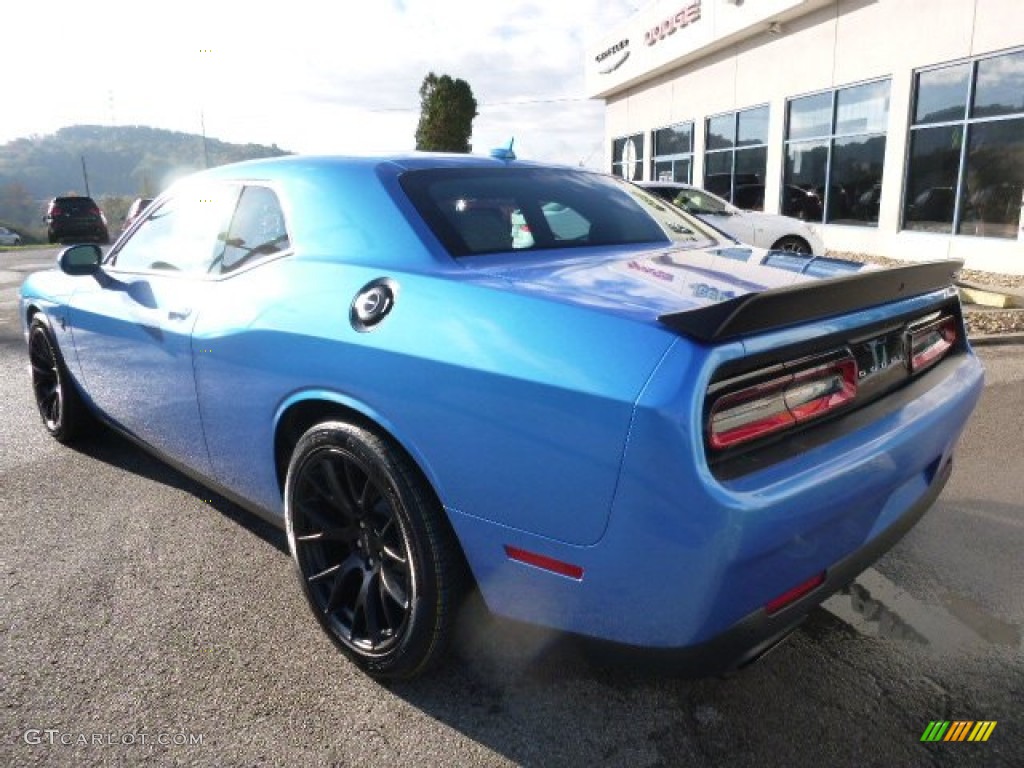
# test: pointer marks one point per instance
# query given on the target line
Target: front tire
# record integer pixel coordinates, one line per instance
(377, 561)
(793, 244)
(62, 409)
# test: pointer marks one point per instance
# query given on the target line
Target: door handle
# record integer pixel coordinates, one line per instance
(179, 314)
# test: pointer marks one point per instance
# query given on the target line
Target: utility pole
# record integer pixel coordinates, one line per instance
(85, 176)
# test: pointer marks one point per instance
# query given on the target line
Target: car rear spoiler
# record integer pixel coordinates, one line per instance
(804, 302)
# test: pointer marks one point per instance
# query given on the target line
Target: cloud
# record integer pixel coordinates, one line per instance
(311, 79)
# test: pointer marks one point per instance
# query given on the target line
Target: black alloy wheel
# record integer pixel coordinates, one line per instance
(60, 406)
(793, 244)
(376, 560)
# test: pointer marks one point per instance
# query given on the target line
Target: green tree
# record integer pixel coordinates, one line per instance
(17, 207)
(447, 109)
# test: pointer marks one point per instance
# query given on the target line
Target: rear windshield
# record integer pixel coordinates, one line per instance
(488, 210)
(76, 204)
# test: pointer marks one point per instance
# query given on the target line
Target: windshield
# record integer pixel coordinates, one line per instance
(488, 210)
(697, 201)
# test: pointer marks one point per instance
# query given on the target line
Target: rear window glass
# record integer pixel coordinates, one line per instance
(476, 211)
(76, 204)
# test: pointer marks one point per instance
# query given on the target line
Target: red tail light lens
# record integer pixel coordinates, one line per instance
(55, 211)
(928, 345)
(794, 594)
(782, 402)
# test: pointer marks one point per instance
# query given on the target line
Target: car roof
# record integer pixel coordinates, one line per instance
(410, 161)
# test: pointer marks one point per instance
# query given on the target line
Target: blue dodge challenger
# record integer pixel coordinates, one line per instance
(444, 373)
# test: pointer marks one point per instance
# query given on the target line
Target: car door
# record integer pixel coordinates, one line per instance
(132, 325)
(241, 366)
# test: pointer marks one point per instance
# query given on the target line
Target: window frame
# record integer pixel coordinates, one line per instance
(829, 139)
(262, 258)
(240, 185)
(965, 122)
(734, 148)
(638, 138)
(675, 156)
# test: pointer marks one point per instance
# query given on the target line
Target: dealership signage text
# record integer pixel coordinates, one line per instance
(669, 26)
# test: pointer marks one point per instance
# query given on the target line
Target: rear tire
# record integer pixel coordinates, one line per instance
(65, 415)
(378, 563)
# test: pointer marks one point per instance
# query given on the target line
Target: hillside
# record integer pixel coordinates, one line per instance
(121, 162)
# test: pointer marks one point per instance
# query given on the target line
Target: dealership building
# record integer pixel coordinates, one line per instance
(895, 126)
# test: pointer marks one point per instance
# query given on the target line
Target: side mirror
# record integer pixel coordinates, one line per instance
(80, 259)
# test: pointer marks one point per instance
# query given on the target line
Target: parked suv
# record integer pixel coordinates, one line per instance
(75, 219)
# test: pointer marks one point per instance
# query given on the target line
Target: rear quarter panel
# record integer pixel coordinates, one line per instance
(516, 408)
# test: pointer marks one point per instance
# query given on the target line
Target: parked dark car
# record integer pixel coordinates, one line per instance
(75, 219)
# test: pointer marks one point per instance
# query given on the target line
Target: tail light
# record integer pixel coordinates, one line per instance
(930, 343)
(802, 393)
(55, 211)
(792, 595)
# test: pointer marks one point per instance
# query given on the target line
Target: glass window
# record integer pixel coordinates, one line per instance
(965, 169)
(863, 109)
(718, 173)
(674, 140)
(182, 235)
(931, 178)
(736, 156)
(257, 231)
(477, 211)
(750, 165)
(628, 157)
(837, 176)
(810, 116)
(721, 132)
(753, 127)
(999, 88)
(673, 153)
(856, 187)
(804, 179)
(942, 94)
(673, 170)
(993, 179)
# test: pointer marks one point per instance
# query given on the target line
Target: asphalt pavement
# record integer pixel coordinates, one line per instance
(147, 620)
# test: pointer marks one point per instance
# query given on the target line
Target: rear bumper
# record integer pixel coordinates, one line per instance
(69, 230)
(759, 632)
(688, 563)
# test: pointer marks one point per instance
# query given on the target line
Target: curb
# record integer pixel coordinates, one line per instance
(995, 339)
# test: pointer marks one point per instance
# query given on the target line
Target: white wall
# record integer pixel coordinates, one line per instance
(821, 47)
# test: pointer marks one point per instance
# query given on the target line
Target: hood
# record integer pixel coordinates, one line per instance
(648, 283)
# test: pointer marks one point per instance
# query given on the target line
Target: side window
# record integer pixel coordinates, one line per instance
(257, 231)
(182, 235)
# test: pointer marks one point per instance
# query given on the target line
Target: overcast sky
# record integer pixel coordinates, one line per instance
(310, 76)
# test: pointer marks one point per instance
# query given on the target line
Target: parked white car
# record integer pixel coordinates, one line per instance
(7, 237)
(764, 230)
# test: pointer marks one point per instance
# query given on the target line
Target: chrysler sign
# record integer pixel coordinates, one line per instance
(614, 57)
(669, 26)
